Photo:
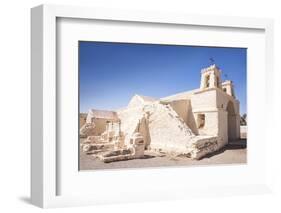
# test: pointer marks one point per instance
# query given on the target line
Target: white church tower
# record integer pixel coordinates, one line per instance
(227, 86)
(210, 77)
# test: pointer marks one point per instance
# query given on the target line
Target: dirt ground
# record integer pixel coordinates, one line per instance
(233, 153)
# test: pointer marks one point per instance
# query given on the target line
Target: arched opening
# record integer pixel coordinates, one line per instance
(207, 81)
(231, 121)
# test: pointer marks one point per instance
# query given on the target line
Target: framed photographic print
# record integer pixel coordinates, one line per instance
(146, 105)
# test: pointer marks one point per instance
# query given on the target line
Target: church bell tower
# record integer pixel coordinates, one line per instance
(227, 87)
(210, 77)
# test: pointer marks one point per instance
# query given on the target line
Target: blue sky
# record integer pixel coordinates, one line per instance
(111, 73)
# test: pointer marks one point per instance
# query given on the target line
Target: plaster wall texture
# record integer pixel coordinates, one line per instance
(191, 120)
(222, 128)
(181, 107)
(184, 109)
(223, 99)
(139, 100)
(164, 130)
(231, 106)
(130, 120)
(212, 102)
(167, 131)
(200, 102)
(205, 100)
(133, 118)
(180, 96)
(211, 123)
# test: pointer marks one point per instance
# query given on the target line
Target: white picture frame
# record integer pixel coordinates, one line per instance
(44, 150)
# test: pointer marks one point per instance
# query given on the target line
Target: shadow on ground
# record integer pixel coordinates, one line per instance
(232, 145)
(147, 156)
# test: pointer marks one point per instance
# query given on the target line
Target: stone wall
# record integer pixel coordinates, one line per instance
(95, 128)
(167, 131)
(130, 120)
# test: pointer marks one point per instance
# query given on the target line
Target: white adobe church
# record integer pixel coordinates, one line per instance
(192, 123)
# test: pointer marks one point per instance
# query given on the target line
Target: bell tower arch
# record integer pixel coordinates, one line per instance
(210, 77)
(227, 87)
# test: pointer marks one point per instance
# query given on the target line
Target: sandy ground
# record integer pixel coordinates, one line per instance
(233, 153)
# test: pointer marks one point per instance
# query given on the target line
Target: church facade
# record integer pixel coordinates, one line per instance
(211, 109)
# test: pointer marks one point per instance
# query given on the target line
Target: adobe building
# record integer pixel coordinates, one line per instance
(192, 123)
(210, 110)
(96, 121)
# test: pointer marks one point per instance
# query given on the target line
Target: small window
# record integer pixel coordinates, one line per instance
(224, 89)
(200, 121)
